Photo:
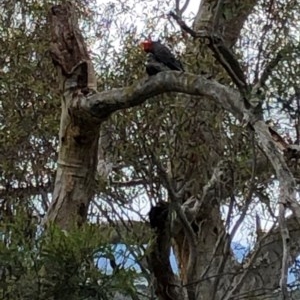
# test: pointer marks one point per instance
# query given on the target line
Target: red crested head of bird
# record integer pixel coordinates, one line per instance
(147, 45)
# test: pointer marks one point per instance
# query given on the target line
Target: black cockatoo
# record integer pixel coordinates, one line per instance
(153, 66)
(161, 54)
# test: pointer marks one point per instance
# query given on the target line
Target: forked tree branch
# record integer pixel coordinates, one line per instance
(221, 52)
(84, 108)
(110, 101)
(229, 61)
(102, 104)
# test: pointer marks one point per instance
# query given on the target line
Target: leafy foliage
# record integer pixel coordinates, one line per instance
(59, 265)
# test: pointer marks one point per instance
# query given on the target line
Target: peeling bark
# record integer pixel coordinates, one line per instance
(78, 136)
(224, 17)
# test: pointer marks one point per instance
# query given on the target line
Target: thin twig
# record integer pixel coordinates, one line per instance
(218, 12)
(184, 7)
(118, 231)
(183, 26)
(221, 52)
(262, 40)
(129, 183)
(285, 244)
(230, 211)
(190, 235)
(235, 286)
(269, 68)
(177, 9)
(239, 221)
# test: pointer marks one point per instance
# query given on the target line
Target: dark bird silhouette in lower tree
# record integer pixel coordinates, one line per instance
(162, 55)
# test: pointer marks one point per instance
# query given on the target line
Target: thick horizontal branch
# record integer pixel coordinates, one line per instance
(102, 104)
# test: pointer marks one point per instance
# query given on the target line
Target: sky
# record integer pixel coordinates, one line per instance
(127, 261)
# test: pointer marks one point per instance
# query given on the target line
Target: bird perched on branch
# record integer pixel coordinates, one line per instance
(153, 66)
(161, 55)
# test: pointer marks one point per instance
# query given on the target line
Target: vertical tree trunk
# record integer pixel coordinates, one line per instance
(204, 118)
(79, 132)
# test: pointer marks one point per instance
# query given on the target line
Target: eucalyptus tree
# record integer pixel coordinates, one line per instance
(200, 146)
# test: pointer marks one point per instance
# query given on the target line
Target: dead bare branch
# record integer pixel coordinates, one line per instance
(222, 53)
(269, 68)
(285, 235)
(184, 7)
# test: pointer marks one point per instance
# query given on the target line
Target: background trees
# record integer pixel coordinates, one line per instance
(223, 181)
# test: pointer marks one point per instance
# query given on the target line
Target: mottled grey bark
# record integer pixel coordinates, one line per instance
(79, 132)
